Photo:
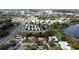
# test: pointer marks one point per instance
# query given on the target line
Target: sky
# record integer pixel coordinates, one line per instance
(40, 4)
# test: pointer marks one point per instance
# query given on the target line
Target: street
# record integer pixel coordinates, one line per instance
(4, 40)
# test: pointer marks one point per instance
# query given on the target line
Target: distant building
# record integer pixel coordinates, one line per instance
(22, 12)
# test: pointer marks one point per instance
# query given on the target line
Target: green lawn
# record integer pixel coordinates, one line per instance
(55, 48)
(28, 41)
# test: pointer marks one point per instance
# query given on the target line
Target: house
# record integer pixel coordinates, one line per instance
(41, 47)
(39, 40)
(53, 39)
(28, 28)
(18, 36)
(31, 37)
(64, 45)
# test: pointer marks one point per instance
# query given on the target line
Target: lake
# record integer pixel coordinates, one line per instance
(72, 30)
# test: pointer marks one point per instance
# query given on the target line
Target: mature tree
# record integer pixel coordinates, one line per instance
(13, 42)
(56, 25)
(3, 33)
(4, 47)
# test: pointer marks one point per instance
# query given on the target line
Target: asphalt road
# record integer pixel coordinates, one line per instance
(4, 40)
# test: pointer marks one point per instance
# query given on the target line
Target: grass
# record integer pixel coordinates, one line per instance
(55, 48)
(31, 47)
(27, 41)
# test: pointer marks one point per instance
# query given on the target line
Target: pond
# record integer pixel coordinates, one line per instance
(72, 30)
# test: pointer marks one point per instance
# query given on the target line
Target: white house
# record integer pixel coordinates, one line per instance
(18, 36)
(53, 38)
(64, 45)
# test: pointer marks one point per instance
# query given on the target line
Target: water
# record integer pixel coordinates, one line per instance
(72, 30)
